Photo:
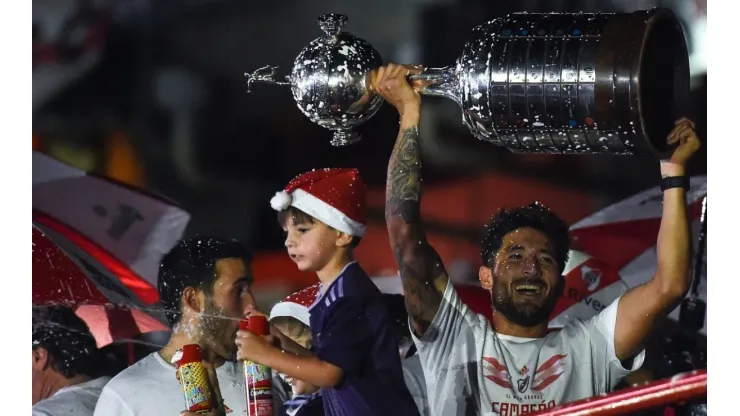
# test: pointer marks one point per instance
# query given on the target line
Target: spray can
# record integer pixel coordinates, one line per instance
(258, 378)
(193, 379)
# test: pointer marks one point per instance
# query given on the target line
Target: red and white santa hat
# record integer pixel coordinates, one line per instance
(333, 196)
(296, 305)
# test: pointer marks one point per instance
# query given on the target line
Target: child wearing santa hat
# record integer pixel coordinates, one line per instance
(355, 361)
(291, 317)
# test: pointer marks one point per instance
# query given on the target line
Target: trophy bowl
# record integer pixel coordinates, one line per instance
(603, 83)
(328, 80)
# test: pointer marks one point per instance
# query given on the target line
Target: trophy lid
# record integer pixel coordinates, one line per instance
(332, 23)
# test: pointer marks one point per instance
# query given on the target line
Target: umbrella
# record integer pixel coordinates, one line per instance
(68, 268)
(130, 227)
(624, 235)
(57, 278)
(109, 324)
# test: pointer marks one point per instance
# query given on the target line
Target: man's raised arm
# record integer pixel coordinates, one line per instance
(640, 308)
(422, 272)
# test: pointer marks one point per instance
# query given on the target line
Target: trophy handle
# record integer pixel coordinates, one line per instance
(438, 82)
(266, 74)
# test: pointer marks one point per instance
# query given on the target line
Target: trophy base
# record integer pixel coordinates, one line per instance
(345, 138)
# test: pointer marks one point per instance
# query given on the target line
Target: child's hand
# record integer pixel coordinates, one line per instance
(252, 347)
(301, 387)
(298, 386)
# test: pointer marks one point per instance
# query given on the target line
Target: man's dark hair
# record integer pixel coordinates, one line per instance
(66, 338)
(300, 217)
(535, 216)
(192, 263)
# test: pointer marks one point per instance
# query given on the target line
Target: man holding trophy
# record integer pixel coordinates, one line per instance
(515, 366)
(533, 83)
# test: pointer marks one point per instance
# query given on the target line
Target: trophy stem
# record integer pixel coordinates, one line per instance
(345, 137)
(438, 82)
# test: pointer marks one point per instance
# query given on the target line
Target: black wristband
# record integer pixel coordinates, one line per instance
(674, 182)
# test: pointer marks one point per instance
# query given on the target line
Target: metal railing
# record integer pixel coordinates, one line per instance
(679, 388)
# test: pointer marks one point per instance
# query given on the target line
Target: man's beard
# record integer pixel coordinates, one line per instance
(217, 330)
(526, 314)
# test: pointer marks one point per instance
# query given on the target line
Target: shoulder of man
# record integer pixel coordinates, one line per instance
(98, 383)
(42, 408)
(111, 402)
(125, 380)
(584, 328)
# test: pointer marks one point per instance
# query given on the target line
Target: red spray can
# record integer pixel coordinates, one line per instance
(193, 379)
(258, 378)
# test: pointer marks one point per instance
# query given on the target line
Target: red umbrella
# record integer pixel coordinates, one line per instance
(623, 235)
(114, 281)
(107, 323)
(127, 229)
(57, 278)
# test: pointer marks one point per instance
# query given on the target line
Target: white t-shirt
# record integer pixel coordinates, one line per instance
(150, 388)
(470, 369)
(75, 400)
(413, 375)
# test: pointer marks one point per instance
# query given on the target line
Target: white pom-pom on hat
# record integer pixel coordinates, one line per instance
(281, 201)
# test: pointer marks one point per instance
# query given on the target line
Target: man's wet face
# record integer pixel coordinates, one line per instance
(526, 278)
(223, 310)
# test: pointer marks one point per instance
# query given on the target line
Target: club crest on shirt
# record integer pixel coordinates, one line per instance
(523, 384)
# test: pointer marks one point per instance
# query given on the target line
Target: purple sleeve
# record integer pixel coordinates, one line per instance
(346, 337)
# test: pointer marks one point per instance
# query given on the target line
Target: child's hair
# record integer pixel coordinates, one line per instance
(300, 217)
(293, 329)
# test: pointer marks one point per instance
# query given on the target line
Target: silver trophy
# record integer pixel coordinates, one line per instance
(533, 83)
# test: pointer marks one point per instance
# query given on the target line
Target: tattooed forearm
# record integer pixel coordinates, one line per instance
(422, 273)
(404, 177)
(421, 297)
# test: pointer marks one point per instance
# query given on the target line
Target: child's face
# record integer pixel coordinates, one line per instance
(311, 245)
